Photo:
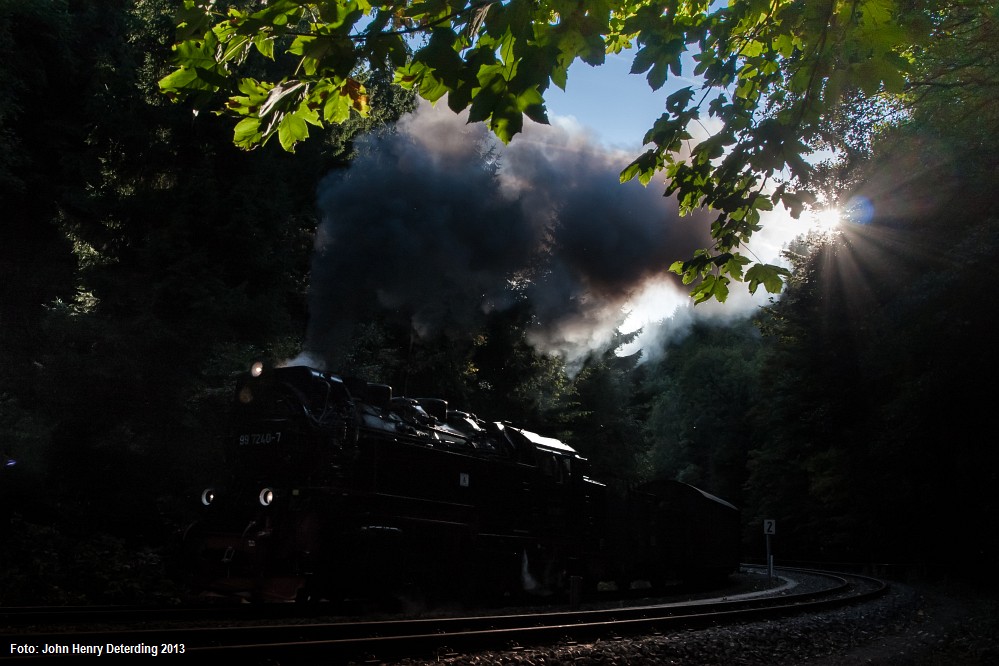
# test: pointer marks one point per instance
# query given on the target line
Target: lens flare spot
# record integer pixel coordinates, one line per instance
(858, 210)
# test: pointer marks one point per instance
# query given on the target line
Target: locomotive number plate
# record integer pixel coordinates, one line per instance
(259, 438)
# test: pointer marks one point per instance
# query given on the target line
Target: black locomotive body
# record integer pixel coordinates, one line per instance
(335, 487)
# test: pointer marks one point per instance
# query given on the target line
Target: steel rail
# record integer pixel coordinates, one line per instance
(15, 616)
(41, 616)
(390, 639)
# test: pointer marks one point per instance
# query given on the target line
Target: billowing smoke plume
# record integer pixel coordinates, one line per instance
(438, 224)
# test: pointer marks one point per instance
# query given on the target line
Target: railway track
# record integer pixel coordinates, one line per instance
(386, 640)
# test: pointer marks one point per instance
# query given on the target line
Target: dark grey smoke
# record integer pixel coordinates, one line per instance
(436, 224)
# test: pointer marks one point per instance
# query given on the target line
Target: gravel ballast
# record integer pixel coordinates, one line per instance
(921, 625)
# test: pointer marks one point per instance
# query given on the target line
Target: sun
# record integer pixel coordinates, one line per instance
(826, 219)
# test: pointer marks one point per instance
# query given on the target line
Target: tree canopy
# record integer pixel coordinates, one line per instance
(143, 267)
(772, 73)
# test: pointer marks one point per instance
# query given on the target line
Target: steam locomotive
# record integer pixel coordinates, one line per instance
(335, 488)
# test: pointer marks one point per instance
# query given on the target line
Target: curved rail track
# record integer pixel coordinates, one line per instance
(394, 639)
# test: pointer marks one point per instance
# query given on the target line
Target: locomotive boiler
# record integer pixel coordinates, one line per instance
(335, 488)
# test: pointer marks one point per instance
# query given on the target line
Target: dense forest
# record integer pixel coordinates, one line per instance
(142, 268)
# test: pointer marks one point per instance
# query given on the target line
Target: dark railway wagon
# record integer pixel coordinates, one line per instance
(681, 533)
(337, 488)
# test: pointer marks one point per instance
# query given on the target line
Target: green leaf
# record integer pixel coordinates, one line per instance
(506, 122)
(712, 286)
(185, 78)
(784, 44)
(235, 49)
(432, 88)
(761, 202)
(644, 59)
(631, 171)
(264, 45)
(752, 49)
(247, 133)
(657, 75)
(733, 266)
(531, 103)
(291, 130)
(770, 276)
(197, 52)
(678, 101)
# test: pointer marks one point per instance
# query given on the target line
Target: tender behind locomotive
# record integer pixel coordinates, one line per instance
(336, 488)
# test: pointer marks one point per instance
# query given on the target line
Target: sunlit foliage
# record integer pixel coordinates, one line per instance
(772, 71)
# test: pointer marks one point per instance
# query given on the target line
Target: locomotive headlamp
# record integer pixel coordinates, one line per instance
(257, 368)
(207, 496)
(266, 497)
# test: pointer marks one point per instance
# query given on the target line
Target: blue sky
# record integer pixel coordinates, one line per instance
(619, 106)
